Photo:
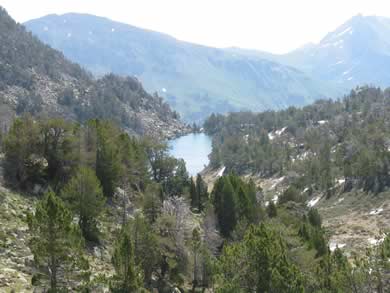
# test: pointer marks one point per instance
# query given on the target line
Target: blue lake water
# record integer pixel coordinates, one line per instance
(194, 148)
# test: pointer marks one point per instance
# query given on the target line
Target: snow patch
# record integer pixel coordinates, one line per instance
(164, 90)
(276, 182)
(340, 200)
(333, 245)
(69, 35)
(275, 198)
(45, 28)
(220, 172)
(322, 122)
(313, 202)
(376, 241)
(376, 211)
(281, 131)
(349, 29)
(350, 78)
(112, 30)
(341, 181)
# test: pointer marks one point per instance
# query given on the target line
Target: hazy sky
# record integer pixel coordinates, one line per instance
(271, 25)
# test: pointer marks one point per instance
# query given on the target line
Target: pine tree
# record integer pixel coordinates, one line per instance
(128, 277)
(227, 215)
(272, 210)
(152, 203)
(244, 205)
(55, 241)
(194, 196)
(202, 193)
(85, 197)
(108, 165)
(196, 243)
(146, 250)
(259, 263)
(20, 143)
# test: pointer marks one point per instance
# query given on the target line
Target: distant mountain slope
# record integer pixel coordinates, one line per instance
(357, 52)
(37, 79)
(196, 80)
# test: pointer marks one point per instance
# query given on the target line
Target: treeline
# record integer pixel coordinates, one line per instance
(322, 142)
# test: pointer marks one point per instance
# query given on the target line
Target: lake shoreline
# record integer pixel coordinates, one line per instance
(194, 149)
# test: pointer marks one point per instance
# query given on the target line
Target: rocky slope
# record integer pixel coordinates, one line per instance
(354, 221)
(37, 79)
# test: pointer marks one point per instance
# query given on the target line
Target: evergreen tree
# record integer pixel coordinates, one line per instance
(85, 197)
(227, 217)
(128, 277)
(55, 242)
(20, 146)
(194, 195)
(146, 250)
(152, 202)
(315, 218)
(258, 264)
(58, 143)
(244, 206)
(272, 210)
(201, 190)
(108, 166)
(196, 243)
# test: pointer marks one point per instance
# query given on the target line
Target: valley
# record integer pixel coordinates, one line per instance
(281, 185)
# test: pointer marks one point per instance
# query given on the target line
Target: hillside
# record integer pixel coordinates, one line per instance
(39, 80)
(195, 80)
(335, 156)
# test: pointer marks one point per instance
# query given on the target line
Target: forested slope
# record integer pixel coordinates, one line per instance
(39, 80)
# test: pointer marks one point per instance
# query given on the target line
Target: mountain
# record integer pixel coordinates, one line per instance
(37, 79)
(196, 80)
(357, 52)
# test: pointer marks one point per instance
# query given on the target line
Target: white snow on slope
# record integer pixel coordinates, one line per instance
(376, 241)
(313, 202)
(376, 211)
(220, 173)
(276, 182)
(281, 131)
(349, 29)
(334, 245)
